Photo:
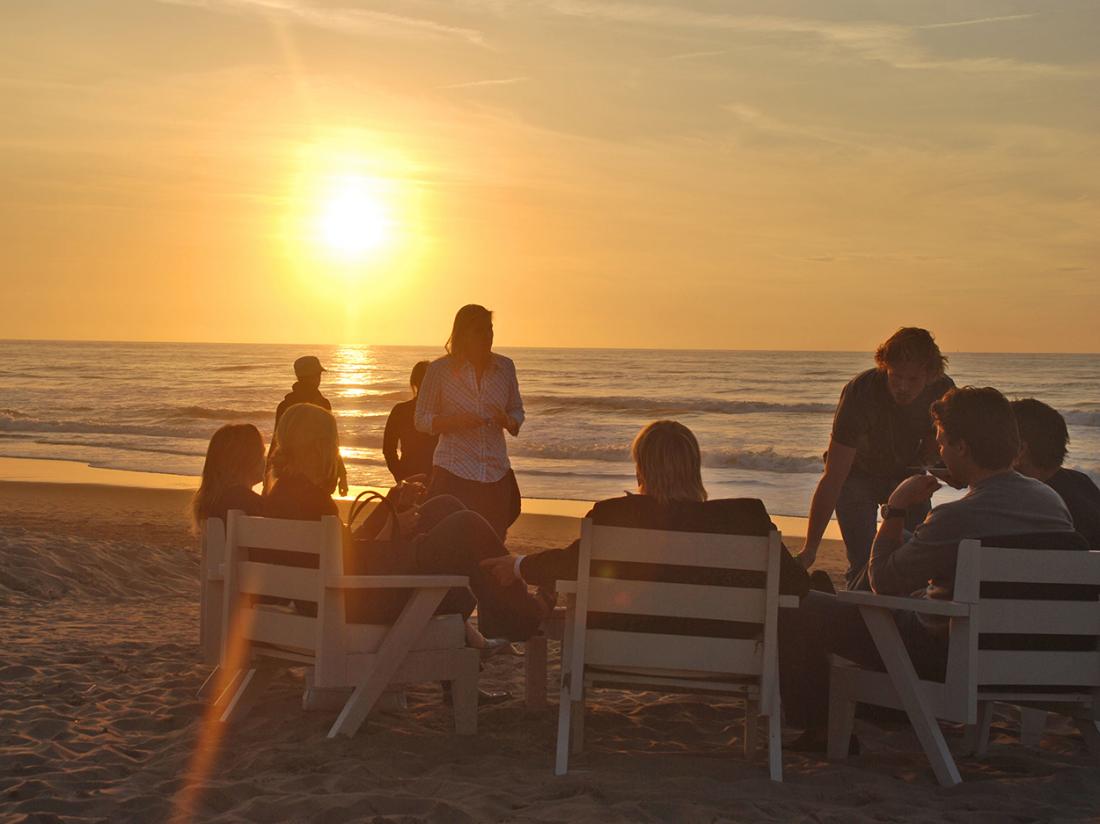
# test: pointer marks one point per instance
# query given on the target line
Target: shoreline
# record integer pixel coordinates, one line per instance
(56, 472)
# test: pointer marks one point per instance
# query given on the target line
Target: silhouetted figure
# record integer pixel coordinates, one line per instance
(470, 398)
(1044, 441)
(234, 464)
(407, 450)
(307, 389)
(881, 429)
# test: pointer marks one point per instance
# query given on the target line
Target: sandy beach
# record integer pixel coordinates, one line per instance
(99, 719)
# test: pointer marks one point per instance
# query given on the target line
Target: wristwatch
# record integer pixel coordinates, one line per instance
(887, 512)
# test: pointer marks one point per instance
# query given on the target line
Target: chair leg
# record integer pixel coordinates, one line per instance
(752, 726)
(981, 729)
(535, 666)
(565, 707)
(775, 743)
(577, 733)
(880, 623)
(252, 685)
(227, 688)
(210, 684)
(464, 695)
(1032, 724)
(842, 716)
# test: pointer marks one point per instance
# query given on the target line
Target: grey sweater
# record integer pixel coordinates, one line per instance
(1005, 504)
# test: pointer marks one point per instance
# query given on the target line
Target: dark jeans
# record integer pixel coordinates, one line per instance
(452, 540)
(821, 626)
(497, 502)
(857, 515)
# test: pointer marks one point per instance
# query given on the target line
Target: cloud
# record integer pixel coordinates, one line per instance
(885, 42)
(978, 21)
(473, 84)
(346, 20)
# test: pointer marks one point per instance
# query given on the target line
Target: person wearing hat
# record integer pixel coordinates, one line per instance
(307, 389)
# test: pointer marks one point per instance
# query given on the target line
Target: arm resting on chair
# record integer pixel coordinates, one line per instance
(927, 606)
(396, 581)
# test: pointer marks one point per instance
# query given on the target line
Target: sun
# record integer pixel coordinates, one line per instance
(353, 219)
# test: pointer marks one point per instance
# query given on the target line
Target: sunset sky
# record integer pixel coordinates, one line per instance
(769, 175)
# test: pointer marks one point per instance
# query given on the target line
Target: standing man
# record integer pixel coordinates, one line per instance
(307, 389)
(881, 428)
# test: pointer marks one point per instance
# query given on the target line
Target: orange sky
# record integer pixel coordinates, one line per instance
(785, 174)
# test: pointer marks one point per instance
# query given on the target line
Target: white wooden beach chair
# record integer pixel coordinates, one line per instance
(261, 640)
(1003, 647)
(723, 637)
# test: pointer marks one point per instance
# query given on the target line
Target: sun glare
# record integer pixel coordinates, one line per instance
(353, 220)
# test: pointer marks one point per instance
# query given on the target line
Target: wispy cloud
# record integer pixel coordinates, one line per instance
(979, 21)
(342, 19)
(473, 84)
(889, 43)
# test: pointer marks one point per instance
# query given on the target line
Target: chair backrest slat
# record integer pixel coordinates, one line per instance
(1006, 616)
(1039, 566)
(294, 583)
(680, 600)
(278, 627)
(699, 549)
(1038, 668)
(276, 533)
(672, 652)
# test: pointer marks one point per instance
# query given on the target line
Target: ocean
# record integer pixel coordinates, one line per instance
(762, 418)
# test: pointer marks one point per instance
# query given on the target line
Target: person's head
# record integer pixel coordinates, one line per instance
(417, 376)
(667, 462)
(911, 360)
(976, 432)
(1044, 438)
(308, 369)
(306, 444)
(472, 334)
(234, 457)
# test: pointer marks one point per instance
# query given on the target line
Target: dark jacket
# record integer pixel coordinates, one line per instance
(301, 394)
(727, 516)
(236, 497)
(417, 448)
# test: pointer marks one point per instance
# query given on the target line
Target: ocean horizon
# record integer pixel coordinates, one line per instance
(762, 416)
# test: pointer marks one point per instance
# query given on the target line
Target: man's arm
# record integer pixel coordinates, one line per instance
(899, 567)
(838, 465)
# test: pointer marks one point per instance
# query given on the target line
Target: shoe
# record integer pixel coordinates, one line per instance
(496, 646)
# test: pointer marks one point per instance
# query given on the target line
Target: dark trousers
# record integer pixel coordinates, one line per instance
(821, 626)
(497, 502)
(857, 516)
(452, 540)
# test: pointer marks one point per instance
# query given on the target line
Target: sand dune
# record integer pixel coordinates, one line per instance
(98, 719)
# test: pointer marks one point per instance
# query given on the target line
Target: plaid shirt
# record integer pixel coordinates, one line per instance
(450, 388)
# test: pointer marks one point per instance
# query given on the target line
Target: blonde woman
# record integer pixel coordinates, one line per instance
(234, 464)
(668, 466)
(470, 398)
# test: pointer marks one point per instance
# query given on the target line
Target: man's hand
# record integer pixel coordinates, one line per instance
(342, 485)
(913, 490)
(502, 568)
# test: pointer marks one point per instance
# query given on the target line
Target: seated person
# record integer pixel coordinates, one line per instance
(1044, 439)
(407, 450)
(670, 496)
(442, 537)
(978, 442)
(234, 464)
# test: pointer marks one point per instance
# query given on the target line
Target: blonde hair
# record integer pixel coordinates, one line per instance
(668, 463)
(306, 444)
(234, 450)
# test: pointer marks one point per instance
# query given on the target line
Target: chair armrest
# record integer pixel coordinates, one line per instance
(396, 581)
(926, 606)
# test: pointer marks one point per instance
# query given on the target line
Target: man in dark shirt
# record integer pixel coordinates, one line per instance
(307, 389)
(407, 450)
(880, 431)
(1044, 441)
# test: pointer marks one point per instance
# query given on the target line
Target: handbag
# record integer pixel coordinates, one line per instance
(371, 556)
